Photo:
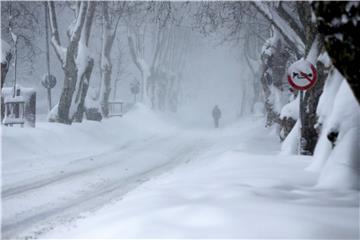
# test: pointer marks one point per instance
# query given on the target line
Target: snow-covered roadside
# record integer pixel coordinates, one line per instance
(248, 191)
(27, 151)
(54, 172)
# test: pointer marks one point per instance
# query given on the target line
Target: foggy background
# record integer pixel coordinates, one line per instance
(214, 71)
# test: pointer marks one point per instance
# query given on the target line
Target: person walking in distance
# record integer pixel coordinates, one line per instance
(216, 113)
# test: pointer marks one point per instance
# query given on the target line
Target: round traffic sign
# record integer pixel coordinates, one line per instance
(302, 75)
(49, 81)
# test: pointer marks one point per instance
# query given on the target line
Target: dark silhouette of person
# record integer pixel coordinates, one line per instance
(216, 114)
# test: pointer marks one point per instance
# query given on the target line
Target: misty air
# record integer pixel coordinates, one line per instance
(180, 119)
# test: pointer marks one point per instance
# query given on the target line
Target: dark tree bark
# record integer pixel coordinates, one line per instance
(287, 124)
(5, 68)
(85, 78)
(311, 99)
(273, 74)
(109, 34)
(71, 104)
(342, 38)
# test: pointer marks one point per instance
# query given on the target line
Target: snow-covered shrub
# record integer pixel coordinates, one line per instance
(324, 109)
(340, 161)
(290, 145)
(288, 116)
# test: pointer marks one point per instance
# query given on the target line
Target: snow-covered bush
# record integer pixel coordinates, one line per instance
(324, 109)
(342, 166)
(288, 116)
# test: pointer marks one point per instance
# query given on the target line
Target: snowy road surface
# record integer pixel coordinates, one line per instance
(87, 183)
(120, 179)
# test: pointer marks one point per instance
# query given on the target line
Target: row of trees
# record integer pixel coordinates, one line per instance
(288, 32)
(155, 41)
(272, 35)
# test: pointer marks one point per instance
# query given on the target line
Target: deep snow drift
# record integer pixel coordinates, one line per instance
(146, 175)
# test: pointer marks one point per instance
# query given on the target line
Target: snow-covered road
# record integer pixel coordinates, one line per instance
(124, 179)
(41, 189)
(85, 184)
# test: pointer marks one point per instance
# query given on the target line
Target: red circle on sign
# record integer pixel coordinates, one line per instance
(311, 81)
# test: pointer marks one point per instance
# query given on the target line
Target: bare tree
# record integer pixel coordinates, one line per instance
(300, 35)
(110, 26)
(160, 76)
(136, 41)
(22, 19)
(75, 60)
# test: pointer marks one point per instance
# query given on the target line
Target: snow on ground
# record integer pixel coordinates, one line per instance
(144, 176)
(27, 149)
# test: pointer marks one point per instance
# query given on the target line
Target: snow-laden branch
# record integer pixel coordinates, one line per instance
(291, 21)
(55, 38)
(289, 34)
(75, 32)
(136, 56)
(315, 50)
(88, 22)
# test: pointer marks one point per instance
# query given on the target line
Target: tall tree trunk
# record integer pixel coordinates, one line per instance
(137, 57)
(309, 132)
(70, 78)
(106, 65)
(311, 100)
(313, 47)
(76, 62)
(85, 80)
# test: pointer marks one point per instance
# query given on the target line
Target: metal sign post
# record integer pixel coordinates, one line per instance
(301, 117)
(302, 75)
(49, 81)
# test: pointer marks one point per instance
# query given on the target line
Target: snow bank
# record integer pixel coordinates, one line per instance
(324, 108)
(55, 138)
(234, 185)
(226, 194)
(291, 110)
(342, 165)
(290, 145)
(51, 144)
(24, 92)
(326, 101)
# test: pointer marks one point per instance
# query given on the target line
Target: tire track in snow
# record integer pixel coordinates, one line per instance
(31, 223)
(35, 184)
